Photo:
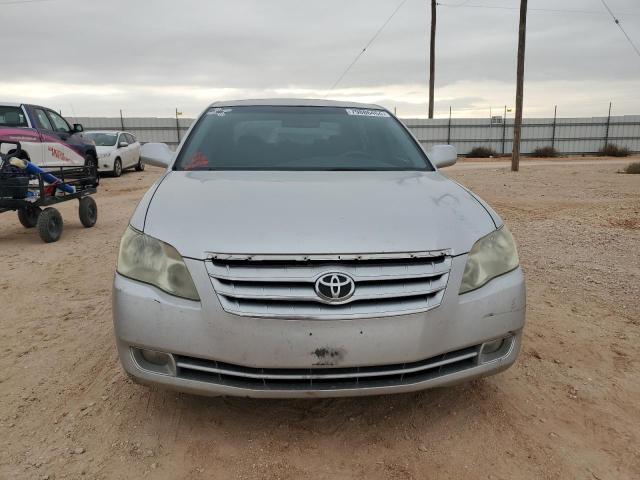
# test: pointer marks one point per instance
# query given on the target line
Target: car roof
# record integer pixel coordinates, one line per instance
(294, 102)
(14, 104)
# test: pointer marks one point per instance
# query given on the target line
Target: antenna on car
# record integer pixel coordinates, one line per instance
(75, 119)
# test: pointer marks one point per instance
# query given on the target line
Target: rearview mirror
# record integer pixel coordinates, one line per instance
(443, 155)
(77, 128)
(156, 154)
(123, 144)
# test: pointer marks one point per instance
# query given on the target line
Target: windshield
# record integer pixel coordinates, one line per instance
(299, 138)
(103, 139)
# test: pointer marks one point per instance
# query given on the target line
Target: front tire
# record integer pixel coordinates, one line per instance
(29, 215)
(139, 166)
(88, 212)
(50, 225)
(90, 160)
(117, 167)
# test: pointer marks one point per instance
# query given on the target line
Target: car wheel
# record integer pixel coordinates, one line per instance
(139, 166)
(117, 167)
(50, 225)
(88, 212)
(28, 216)
(91, 161)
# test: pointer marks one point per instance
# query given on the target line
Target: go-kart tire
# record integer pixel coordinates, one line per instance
(88, 212)
(28, 216)
(50, 225)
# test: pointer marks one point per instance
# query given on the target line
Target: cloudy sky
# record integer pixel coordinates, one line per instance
(147, 57)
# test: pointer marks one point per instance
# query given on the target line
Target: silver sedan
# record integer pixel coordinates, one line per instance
(298, 248)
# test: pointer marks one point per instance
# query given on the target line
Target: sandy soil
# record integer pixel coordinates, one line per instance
(569, 408)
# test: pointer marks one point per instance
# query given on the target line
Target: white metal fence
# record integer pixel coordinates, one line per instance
(567, 135)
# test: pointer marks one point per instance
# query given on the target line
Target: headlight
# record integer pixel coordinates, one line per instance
(148, 260)
(491, 256)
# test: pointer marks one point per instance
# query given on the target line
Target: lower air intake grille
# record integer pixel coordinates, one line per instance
(325, 378)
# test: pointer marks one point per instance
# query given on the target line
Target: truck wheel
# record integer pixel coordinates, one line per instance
(50, 225)
(139, 165)
(117, 167)
(91, 161)
(28, 216)
(88, 212)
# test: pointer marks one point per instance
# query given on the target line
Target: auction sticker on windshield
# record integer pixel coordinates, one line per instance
(220, 112)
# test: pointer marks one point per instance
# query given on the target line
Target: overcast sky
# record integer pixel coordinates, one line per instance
(147, 57)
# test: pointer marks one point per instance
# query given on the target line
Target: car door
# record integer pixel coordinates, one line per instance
(123, 151)
(55, 133)
(16, 126)
(134, 150)
(45, 129)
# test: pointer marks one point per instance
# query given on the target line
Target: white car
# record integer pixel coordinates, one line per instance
(117, 151)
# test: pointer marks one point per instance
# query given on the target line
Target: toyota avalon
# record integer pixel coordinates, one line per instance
(300, 248)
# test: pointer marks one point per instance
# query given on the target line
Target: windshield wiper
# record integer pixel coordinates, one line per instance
(347, 169)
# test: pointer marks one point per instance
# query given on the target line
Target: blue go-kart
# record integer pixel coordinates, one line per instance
(31, 190)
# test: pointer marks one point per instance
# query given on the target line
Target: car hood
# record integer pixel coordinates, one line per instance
(314, 213)
(103, 150)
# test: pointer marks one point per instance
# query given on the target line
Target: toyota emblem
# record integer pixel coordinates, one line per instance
(335, 287)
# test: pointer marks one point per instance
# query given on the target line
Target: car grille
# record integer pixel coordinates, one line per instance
(284, 286)
(327, 378)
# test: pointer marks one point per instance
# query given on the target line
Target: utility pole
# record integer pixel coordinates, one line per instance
(517, 123)
(432, 57)
(504, 128)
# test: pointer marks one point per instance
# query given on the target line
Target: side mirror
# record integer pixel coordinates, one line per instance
(123, 144)
(156, 154)
(443, 155)
(77, 128)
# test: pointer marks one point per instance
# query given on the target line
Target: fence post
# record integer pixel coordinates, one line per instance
(449, 128)
(121, 120)
(177, 125)
(504, 127)
(553, 132)
(606, 134)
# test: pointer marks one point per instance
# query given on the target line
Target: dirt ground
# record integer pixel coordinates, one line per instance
(569, 408)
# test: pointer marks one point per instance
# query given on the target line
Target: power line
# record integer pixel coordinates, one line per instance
(355, 60)
(617, 22)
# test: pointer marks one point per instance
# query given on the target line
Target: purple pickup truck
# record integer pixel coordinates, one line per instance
(46, 137)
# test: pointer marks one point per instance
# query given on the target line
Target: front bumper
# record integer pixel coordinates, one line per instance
(257, 350)
(105, 164)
